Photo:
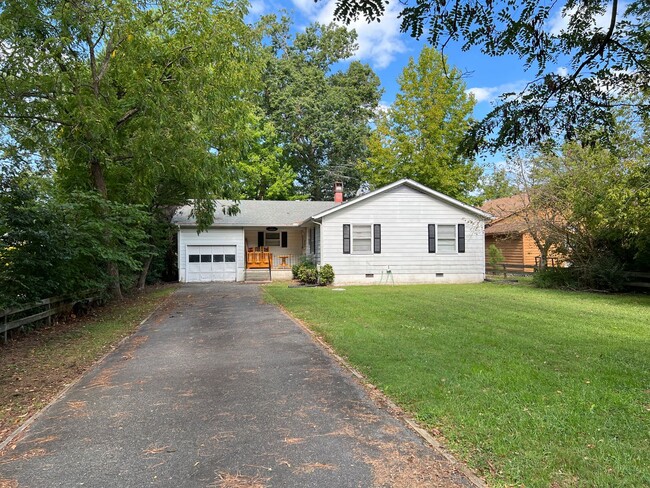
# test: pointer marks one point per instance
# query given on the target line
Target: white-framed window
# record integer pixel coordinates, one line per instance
(446, 238)
(361, 238)
(272, 239)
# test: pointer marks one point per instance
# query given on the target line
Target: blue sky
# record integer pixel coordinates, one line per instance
(387, 51)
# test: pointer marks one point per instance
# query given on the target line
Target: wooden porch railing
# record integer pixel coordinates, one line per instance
(258, 259)
(286, 261)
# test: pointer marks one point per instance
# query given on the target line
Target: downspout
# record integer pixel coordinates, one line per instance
(320, 226)
(178, 252)
(321, 240)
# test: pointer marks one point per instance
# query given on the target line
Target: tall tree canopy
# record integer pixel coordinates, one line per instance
(142, 102)
(420, 134)
(603, 44)
(321, 117)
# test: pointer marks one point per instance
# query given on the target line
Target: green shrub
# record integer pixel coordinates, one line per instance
(308, 275)
(326, 275)
(601, 273)
(495, 256)
(555, 278)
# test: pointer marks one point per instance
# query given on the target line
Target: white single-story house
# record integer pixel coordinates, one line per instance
(401, 233)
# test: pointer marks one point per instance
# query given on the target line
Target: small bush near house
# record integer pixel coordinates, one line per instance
(296, 269)
(307, 273)
(326, 275)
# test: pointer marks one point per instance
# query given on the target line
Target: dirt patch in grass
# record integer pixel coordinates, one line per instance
(37, 365)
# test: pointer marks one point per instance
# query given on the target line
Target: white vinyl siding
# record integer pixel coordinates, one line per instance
(405, 214)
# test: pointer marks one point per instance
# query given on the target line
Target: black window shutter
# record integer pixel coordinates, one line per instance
(377, 238)
(284, 239)
(346, 238)
(461, 237)
(260, 239)
(432, 237)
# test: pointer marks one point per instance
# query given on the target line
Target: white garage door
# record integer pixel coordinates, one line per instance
(211, 263)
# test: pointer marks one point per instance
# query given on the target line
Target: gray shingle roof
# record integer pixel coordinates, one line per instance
(262, 213)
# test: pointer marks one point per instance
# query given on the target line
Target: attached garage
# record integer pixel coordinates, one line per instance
(212, 255)
(211, 263)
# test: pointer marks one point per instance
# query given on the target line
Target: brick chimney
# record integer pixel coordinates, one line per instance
(338, 192)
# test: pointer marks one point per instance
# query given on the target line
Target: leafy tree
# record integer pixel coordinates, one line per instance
(495, 256)
(52, 244)
(603, 46)
(593, 204)
(321, 117)
(143, 102)
(497, 184)
(264, 175)
(419, 136)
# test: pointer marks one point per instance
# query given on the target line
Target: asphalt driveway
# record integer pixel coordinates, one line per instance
(220, 389)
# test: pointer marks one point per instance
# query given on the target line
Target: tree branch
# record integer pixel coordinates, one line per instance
(126, 117)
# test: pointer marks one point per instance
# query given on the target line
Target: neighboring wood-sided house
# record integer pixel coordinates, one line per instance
(508, 231)
(401, 233)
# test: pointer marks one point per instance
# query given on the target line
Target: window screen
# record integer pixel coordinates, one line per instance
(361, 239)
(272, 239)
(446, 238)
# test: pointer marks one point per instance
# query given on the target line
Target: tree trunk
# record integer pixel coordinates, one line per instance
(144, 272)
(97, 174)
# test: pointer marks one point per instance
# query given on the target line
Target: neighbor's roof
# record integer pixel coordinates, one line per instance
(262, 213)
(414, 185)
(507, 211)
(503, 207)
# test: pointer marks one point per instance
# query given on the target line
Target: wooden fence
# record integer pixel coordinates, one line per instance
(505, 268)
(12, 318)
(636, 279)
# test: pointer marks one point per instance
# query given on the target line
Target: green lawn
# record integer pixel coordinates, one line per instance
(530, 387)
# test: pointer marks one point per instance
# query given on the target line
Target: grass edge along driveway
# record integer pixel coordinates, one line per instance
(36, 367)
(530, 387)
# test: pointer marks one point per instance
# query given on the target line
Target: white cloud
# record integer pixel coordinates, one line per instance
(379, 42)
(559, 22)
(309, 8)
(482, 94)
(383, 106)
(562, 71)
(491, 93)
(257, 8)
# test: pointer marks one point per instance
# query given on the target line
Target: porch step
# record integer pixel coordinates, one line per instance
(257, 276)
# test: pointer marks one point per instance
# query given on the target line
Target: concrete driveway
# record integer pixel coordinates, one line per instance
(220, 389)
